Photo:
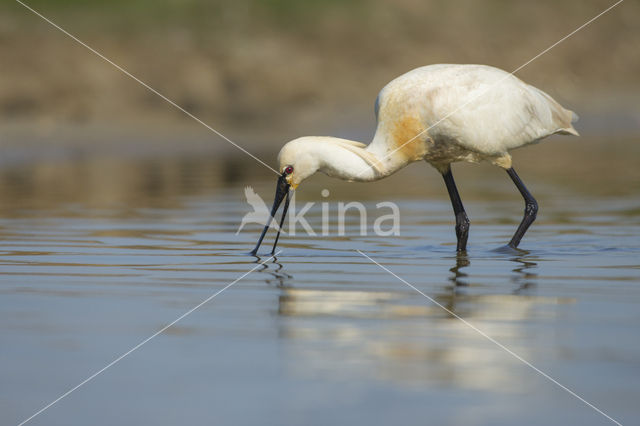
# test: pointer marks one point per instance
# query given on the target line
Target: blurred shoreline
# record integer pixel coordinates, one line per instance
(263, 73)
(284, 68)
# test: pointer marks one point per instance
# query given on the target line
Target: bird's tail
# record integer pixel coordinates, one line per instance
(570, 130)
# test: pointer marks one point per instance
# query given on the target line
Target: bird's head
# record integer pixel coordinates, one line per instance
(297, 161)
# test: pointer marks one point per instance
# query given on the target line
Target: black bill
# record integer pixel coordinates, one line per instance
(282, 190)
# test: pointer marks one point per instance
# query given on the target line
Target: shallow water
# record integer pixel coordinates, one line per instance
(319, 335)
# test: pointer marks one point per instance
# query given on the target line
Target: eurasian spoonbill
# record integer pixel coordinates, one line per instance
(440, 114)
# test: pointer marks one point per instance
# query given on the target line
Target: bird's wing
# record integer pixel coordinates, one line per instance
(358, 149)
(254, 199)
(561, 118)
(481, 108)
(353, 143)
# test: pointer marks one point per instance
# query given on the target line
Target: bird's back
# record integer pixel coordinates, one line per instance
(478, 107)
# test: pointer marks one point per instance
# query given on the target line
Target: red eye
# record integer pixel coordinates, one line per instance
(288, 170)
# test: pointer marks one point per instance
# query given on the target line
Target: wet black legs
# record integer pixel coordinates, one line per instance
(462, 221)
(530, 209)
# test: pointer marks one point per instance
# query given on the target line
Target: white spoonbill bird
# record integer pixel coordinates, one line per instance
(440, 114)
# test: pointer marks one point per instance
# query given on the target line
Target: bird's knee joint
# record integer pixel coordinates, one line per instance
(531, 209)
(462, 223)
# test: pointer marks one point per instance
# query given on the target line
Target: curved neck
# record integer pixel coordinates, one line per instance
(349, 160)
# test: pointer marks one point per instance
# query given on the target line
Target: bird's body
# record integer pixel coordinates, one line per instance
(463, 113)
(442, 114)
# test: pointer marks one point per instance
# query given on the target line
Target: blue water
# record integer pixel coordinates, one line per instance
(320, 335)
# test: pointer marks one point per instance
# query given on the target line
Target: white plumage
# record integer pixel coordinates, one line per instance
(460, 112)
(482, 108)
(440, 114)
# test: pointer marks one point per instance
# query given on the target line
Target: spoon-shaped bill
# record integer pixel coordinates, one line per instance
(284, 214)
(282, 189)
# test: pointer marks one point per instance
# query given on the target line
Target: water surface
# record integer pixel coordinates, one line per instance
(319, 335)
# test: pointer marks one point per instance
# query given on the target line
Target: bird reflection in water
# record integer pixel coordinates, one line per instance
(459, 280)
(278, 276)
(352, 302)
(458, 277)
(412, 341)
(524, 276)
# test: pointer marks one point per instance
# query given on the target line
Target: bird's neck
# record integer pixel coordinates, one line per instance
(354, 161)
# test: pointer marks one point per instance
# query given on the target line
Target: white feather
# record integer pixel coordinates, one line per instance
(454, 113)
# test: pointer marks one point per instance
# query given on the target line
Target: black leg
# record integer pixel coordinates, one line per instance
(462, 221)
(530, 209)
